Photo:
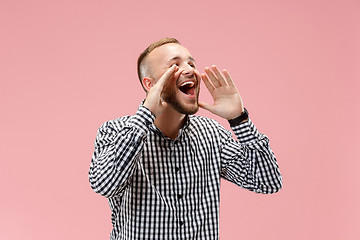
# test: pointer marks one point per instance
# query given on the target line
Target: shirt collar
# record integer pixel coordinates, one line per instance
(182, 130)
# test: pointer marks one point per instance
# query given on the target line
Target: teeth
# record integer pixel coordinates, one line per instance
(186, 83)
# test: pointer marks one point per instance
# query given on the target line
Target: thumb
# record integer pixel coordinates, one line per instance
(206, 106)
(167, 76)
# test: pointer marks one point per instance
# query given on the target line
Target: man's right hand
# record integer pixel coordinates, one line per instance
(154, 101)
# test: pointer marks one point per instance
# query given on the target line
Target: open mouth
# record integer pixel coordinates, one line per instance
(188, 88)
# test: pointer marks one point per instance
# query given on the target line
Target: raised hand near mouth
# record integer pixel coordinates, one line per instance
(227, 100)
(154, 101)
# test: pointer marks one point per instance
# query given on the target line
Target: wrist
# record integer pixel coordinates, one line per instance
(150, 107)
(243, 117)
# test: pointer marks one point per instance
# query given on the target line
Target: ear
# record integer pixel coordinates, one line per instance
(148, 83)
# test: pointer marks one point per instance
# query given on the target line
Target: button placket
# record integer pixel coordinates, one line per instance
(173, 146)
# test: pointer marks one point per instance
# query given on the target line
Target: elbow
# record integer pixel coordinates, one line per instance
(106, 188)
(279, 183)
(271, 188)
(100, 189)
(274, 183)
(101, 185)
(276, 187)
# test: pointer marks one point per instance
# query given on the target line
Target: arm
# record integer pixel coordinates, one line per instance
(117, 146)
(248, 162)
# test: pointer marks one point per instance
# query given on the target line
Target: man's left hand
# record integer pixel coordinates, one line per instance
(227, 100)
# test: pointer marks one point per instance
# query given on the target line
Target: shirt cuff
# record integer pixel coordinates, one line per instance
(246, 132)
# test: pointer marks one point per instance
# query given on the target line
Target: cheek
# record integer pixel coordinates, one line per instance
(171, 84)
(169, 89)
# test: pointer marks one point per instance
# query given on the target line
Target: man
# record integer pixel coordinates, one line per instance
(160, 168)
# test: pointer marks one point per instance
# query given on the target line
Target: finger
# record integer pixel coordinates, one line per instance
(219, 75)
(177, 73)
(212, 77)
(166, 76)
(173, 77)
(228, 78)
(207, 83)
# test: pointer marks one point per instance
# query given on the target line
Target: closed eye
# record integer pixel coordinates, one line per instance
(191, 64)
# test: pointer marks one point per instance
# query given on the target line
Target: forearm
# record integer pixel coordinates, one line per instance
(252, 163)
(117, 148)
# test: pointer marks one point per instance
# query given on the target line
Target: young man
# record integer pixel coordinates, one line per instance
(160, 168)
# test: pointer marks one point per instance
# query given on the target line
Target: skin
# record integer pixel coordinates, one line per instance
(172, 64)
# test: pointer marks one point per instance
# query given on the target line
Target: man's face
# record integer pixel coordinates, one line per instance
(182, 93)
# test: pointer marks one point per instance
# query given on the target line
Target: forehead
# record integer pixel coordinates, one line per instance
(167, 52)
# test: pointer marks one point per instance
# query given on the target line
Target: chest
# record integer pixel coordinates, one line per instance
(189, 166)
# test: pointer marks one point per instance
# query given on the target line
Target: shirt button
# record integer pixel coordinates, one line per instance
(180, 196)
(181, 223)
(177, 169)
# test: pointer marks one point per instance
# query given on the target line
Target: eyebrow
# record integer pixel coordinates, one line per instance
(177, 58)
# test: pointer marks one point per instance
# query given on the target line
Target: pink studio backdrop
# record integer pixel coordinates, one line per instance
(68, 66)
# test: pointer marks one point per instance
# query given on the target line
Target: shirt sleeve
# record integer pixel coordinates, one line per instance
(249, 161)
(118, 145)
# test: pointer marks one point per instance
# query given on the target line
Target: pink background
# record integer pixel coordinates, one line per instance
(68, 66)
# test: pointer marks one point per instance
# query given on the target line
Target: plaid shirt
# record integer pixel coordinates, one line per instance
(159, 188)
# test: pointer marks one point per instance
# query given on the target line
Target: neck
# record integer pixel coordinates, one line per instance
(170, 122)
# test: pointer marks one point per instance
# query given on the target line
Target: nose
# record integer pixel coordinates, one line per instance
(188, 70)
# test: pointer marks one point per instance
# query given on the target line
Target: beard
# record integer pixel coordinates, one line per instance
(169, 95)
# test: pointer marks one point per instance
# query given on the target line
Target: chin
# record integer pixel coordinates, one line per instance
(178, 103)
(191, 111)
(182, 108)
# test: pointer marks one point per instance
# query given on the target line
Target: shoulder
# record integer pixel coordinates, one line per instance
(114, 125)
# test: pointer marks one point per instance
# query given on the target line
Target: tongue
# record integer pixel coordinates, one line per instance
(190, 91)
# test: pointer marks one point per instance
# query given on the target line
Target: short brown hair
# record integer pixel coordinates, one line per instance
(148, 50)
